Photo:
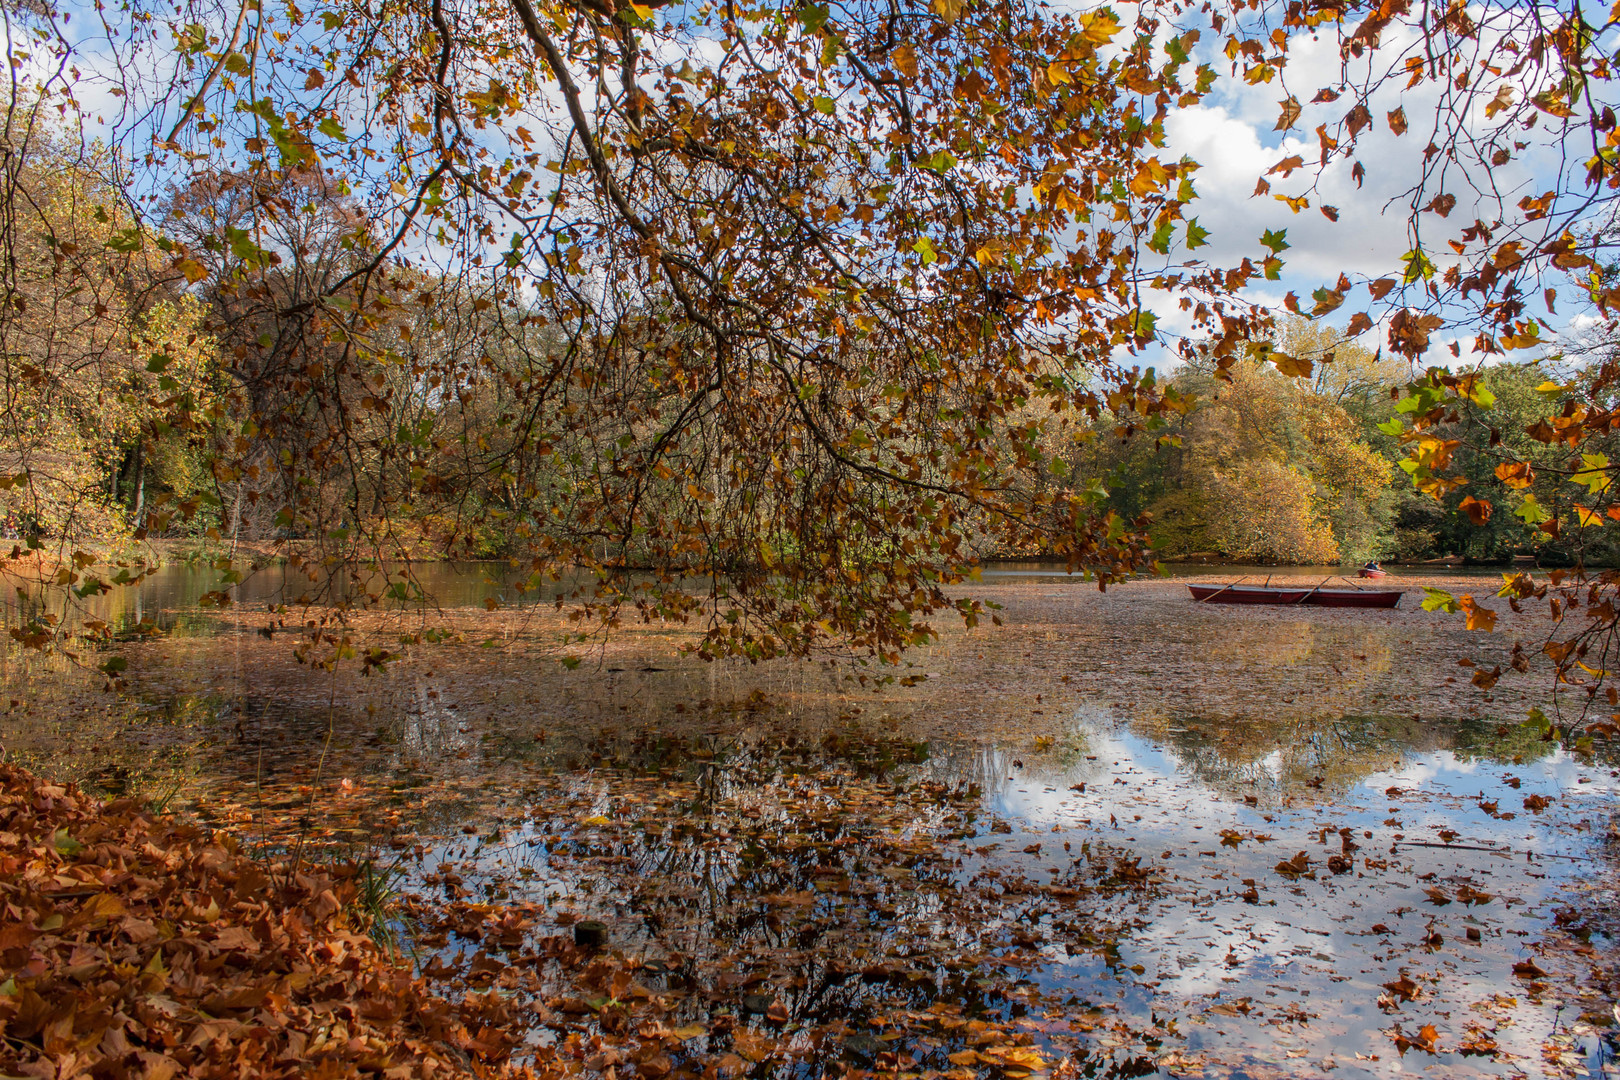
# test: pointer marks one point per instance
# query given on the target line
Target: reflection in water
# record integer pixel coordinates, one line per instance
(1118, 886)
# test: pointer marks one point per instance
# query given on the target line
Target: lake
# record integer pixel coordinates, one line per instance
(1121, 835)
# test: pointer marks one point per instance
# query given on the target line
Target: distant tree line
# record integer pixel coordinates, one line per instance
(1277, 469)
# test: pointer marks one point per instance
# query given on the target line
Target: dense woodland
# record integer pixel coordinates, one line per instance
(1251, 464)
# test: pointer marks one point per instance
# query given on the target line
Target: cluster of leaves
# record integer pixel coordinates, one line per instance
(1553, 470)
(137, 945)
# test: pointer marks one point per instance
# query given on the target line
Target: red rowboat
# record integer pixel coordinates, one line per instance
(1259, 594)
(1364, 572)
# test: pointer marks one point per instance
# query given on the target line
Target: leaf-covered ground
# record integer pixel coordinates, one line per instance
(134, 945)
(1121, 835)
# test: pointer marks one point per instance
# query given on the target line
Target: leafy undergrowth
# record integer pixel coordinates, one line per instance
(133, 945)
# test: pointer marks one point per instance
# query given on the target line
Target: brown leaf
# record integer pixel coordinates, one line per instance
(1478, 510)
(904, 59)
(1290, 113)
(1403, 988)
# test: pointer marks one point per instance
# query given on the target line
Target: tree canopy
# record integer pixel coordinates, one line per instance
(788, 299)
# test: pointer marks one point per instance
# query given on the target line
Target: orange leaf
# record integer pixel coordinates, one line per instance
(1479, 617)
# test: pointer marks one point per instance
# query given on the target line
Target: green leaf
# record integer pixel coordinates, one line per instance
(1423, 397)
(1417, 266)
(236, 64)
(242, 245)
(332, 129)
(158, 363)
(814, 16)
(1392, 427)
(1439, 600)
(126, 240)
(1531, 512)
(1197, 235)
(824, 105)
(114, 665)
(1160, 241)
(1593, 473)
(1276, 240)
(65, 844)
(570, 662)
(925, 247)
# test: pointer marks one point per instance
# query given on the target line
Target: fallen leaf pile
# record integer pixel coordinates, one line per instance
(133, 945)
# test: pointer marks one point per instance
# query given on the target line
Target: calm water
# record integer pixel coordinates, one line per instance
(1122, 832)
(175, 592)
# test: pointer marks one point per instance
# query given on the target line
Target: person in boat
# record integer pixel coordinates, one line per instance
(1372, 567)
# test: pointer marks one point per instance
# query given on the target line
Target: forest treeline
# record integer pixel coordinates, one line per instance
(1251, 464)
(1269, 468)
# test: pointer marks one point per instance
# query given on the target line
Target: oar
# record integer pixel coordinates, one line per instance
(1319, 584)
(1218, 592)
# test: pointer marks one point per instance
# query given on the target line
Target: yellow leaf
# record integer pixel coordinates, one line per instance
(1502, 100)
(1586, 518)
(1150, 176)
(1296, 366)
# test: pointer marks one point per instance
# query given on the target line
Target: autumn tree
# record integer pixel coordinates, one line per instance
(98, 351)
(797, 291)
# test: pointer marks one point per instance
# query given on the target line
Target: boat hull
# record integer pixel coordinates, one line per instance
(1373, 573)
(1255, 594)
